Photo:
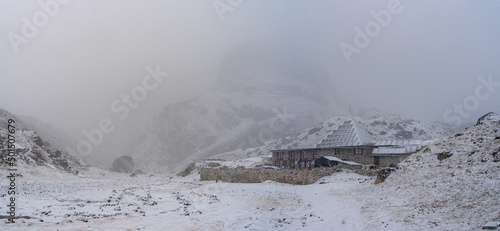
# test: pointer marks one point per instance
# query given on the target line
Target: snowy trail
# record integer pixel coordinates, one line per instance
(110, 201)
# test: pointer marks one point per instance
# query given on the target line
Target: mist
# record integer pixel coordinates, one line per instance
(420, 62)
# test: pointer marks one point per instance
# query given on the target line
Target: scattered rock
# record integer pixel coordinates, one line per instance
(38, 141)
(63, 163)
(57, 154)
(214, 164)
(496, 155)
(394, 166)
(314, 130)
(383, 174)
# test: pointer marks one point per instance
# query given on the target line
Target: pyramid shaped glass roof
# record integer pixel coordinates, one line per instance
(349, 133)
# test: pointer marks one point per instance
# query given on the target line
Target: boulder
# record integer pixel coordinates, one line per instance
(137, 172)
(123, 164)
(38, 141)
(482, 118)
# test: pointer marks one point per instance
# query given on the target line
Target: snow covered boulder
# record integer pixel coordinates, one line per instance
(488, 115)
(123, 164)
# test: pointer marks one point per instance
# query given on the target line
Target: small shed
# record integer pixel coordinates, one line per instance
(325, 162)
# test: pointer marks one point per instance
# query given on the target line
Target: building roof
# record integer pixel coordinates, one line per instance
(398, 142)
(349, 133)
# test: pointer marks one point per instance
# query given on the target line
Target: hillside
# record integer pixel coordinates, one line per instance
(31, 148)
(457, 193)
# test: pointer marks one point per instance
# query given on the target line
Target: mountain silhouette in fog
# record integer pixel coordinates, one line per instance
(263, 92)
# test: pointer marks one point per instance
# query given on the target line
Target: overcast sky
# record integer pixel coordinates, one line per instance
(426, 58)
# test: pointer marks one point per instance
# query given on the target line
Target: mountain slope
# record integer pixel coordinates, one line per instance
(30, 148)
(460, 192)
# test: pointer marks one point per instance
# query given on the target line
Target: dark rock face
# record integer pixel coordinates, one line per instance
(38, 141)
(404, 135)
(444, 155)
(63, 163)
(124, 164)
(482, 118)
(496, 155)
(383, 174)
(188, 170)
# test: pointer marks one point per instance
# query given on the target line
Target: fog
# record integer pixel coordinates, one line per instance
(419, 62)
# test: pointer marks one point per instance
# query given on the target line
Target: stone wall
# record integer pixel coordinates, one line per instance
(258, 175)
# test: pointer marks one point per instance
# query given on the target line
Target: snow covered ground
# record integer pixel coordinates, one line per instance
(100, 200)
(113, 201)
(460, 192)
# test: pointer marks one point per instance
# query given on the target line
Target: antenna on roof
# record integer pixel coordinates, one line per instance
(350, 109)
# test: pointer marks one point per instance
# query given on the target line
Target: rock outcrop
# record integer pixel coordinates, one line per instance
(123, 164)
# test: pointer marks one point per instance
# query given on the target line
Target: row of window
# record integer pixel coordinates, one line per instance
(303, 154)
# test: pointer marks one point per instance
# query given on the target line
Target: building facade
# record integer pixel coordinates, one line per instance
(349, 142)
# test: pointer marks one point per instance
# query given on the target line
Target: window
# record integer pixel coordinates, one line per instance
(358, 151)
(292, 164)
(290, 155)
(280, 155)
(302, 164)
(302, 155)
(277, 164)
(316, 154)
(337, 151)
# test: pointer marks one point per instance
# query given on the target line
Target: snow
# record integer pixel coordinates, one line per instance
(457, 193)
(104, 200)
